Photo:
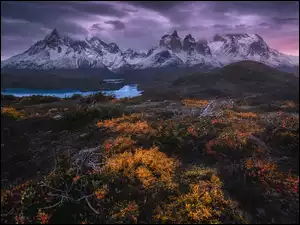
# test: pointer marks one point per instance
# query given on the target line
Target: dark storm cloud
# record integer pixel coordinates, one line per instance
(239, 26)
(140, 24)
(97, 27)
(221, 26)
(286, 20)
(118, 25)
(157, 5)
(98, 9)
(255, 6)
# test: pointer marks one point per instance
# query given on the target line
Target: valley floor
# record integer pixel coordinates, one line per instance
(89, 160)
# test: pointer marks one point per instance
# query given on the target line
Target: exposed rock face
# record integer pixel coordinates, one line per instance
(202, 48)
(188, 43)
(171, 42)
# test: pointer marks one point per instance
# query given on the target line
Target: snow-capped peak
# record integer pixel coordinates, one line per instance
(175, 34)
(56, 51)
(53, 35)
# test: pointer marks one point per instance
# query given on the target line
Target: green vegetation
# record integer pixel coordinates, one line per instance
(38, 99)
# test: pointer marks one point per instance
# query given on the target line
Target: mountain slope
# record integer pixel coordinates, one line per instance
(56, 52)
(238, 79)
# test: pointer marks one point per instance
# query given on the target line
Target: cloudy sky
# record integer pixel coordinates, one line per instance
(139, 25)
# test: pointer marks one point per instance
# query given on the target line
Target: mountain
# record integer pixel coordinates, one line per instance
(237, 47)
(238, 79)
(56, 52)
(61, 52)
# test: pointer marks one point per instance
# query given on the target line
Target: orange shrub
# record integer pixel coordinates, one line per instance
(124, 212)
(204, 203)
(118, 144)
(150, 167)
(266, 172)
(246, 115)
(195, 103)
(9, 111)
(122, 125)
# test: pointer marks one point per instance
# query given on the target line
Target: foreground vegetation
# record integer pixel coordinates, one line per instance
(233, 166)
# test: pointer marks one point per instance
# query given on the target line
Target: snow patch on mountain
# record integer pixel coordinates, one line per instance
(159, 57)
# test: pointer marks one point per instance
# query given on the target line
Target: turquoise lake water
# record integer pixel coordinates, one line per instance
(126, 91)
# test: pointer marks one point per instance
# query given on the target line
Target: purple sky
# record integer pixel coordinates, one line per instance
(139, 25)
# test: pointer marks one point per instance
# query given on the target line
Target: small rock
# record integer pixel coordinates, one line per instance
(53, 110)
(58, 117)
(261, 211)
(83, 135)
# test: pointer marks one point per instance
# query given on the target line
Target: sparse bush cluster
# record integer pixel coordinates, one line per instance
(97, 97)
(38, 99)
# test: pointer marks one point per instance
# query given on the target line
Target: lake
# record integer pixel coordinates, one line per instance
(127, 91)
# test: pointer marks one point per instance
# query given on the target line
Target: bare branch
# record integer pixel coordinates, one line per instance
(86, 196)
(89, 204)
(45, 185)
(52, 206)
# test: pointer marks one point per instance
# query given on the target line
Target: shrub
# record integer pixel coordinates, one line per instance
(12, 112)
(8, 97)
(127, 125)
(75, 96)
(124, 212)
(82, 116)
(266, 172)
(118, 144)
(204, 203)
(38, 99)
(150, 167)
(129, 101)
(98, 97)
(195, 103)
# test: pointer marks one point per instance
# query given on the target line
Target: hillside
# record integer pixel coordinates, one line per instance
(240, 79)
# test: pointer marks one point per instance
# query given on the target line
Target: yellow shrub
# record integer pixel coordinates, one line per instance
(127, 124)
(204, 203)
(147, 166)
(9, 111)
(246, 115)
(100, 193)
(195, 103)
